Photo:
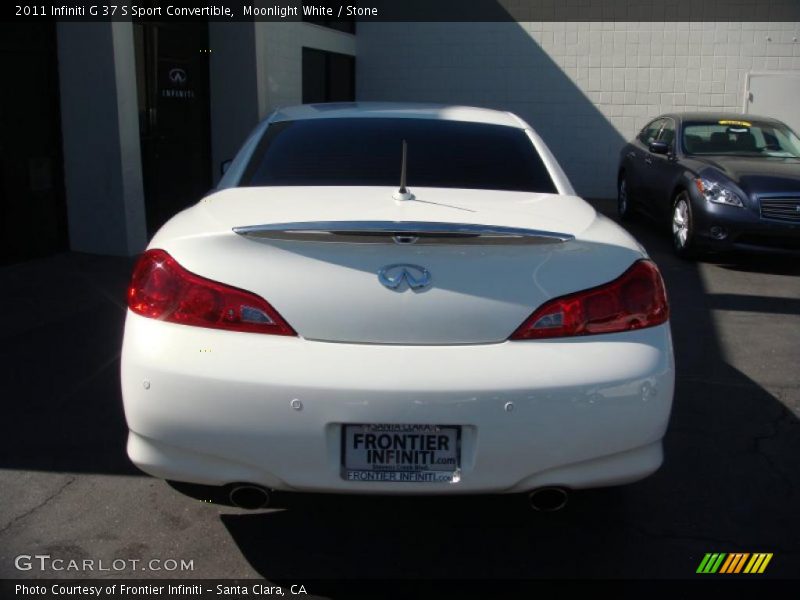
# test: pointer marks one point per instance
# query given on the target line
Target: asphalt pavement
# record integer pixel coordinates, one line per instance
(730, 481)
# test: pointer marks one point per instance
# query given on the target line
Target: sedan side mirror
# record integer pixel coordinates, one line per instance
(659, 147)
(224, 166)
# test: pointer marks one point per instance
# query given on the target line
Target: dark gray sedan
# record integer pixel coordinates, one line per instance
(723, 181)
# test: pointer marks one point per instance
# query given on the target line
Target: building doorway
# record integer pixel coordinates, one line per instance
(33, 219)
(328, 76)
(174, 116)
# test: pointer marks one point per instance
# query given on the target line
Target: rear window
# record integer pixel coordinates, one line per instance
(368, 151)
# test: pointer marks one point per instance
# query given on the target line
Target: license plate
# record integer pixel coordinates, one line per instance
(404, 453)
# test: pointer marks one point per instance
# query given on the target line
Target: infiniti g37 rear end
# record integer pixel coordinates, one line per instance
(308, 327)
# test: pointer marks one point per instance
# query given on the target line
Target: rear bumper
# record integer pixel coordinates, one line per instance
(215, 407)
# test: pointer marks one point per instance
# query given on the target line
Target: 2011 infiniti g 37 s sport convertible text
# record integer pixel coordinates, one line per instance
(399, 299)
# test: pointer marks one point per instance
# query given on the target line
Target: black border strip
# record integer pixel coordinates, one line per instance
(412, 10)
(508, 589)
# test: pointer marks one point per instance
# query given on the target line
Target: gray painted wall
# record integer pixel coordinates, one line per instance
(234, 88)
(585, 87)
(100, 128)
(281, 52)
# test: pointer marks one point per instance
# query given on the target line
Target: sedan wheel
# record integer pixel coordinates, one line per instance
(624, 210)
(682, 226)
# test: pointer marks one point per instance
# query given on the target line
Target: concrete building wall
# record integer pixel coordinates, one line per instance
(585, 87)
(100, 130)
(234, 87)
(281, 55)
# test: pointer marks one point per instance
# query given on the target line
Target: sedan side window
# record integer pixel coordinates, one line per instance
(649, 133)
(668, 132)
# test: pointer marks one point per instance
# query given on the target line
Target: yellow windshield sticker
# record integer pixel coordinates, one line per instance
(739, 123)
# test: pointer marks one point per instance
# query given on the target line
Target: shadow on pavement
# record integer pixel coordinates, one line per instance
(763, 304)
(59, 364)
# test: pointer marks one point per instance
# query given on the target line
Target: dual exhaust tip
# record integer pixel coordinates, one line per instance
(249, 496)
(548, 499)
(254, 497)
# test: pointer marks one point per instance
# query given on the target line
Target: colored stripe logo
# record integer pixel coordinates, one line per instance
(735, 562)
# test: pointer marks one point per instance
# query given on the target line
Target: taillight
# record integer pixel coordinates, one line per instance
(162, 289)
(634, 300)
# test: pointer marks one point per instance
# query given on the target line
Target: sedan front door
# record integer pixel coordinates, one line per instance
(660, 172)
(637, 167)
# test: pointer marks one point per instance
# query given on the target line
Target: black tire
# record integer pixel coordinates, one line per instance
(683, 234)
(625, 210)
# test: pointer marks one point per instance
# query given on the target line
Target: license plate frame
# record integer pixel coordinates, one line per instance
(441, 464)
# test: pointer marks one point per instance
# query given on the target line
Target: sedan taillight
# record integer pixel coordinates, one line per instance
(162, 289)
(634, 300)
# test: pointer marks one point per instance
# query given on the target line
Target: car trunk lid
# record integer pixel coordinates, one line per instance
(356, 265)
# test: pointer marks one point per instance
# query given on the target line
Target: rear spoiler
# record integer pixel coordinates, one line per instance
(401, 232)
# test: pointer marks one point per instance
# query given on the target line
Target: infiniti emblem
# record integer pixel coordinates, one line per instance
(393, 276)
(177, 76)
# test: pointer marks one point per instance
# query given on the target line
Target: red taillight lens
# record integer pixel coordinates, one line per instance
(634, 300)
(162, 289)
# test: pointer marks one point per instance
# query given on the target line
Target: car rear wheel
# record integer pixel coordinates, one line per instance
(683, 226)
(624, 208)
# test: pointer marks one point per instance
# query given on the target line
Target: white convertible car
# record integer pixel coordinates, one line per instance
(396, 299)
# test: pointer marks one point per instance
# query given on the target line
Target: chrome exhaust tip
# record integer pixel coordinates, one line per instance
(548, 499)
(248, 496)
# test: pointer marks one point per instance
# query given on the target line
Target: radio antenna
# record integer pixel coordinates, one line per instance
(403, 193)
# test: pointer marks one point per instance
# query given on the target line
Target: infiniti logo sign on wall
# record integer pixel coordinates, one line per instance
(393, 276)
(177, 76)
(174, 83)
